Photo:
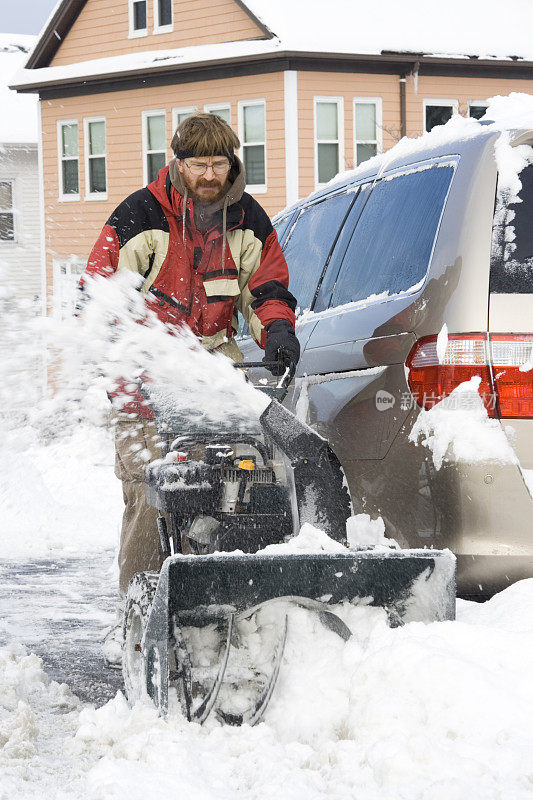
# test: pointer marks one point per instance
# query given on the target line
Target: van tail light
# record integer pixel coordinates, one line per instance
(506, 389)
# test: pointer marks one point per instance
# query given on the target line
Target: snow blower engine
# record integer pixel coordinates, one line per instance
(228, 490)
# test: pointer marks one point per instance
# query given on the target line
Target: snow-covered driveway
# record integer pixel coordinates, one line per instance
(423, 712)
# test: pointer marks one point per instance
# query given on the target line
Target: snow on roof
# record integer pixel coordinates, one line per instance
(484, 28)
(466, 28)
(18, 120)
(142, 61)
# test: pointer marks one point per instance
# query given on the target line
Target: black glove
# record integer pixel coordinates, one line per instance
(281, 345)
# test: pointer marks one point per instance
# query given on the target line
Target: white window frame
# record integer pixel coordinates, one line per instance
(62, 197)
(340, 131)
(161, 112)
(253, 188)
(479, 103)
(162, 28)
(134, 34)
(181, 110)
(93, 195)
(212, 108)
(378, 141)
(13, 212)
(429, 101)
(61, 273)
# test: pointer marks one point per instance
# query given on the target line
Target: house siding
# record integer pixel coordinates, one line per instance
(72, 227)
(102, 29)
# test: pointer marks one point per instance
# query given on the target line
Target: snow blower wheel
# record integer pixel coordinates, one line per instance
(139, 601)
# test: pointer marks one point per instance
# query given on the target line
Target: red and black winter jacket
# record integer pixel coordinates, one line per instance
(184, 279)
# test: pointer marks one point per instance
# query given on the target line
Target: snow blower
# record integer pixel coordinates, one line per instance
(229, 490)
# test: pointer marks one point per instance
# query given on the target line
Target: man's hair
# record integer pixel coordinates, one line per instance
(204, 135)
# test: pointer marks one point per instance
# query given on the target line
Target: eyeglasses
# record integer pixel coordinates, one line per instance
(198, 168)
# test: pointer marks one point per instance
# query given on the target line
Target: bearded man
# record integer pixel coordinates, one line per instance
(204, 249)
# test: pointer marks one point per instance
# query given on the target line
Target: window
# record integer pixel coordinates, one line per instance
(438, 112)
(329, 142)
(7, 212)
(477, 108)
(154, 144)
(67, 273)
(310, 242)
(179, 114)
(95, 159)
(367, 128)
(138, 21)
(67, 135)
(252, 133)
(391, 246)
(511, 263)
(221, 109)
(162, 16)
(281, 225)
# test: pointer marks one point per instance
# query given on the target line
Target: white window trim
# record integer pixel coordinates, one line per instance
(480, 103)
(428, 102)
(162, 28)
(255, 188)
(133, 34)
(66, 198)
(209, 108)
(378, 141)
(93, 195)
(145, 114)
(181, 110)
(14, 205)
(58, 309)
(340, 129)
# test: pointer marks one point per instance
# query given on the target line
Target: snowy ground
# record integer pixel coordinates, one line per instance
(439, 711)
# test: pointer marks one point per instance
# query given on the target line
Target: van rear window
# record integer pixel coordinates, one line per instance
(511, 262)
(393, 240)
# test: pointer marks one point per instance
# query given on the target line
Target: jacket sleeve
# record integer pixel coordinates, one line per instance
(263, 277)
(132, 238)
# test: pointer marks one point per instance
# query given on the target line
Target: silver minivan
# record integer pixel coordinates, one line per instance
(379, 263)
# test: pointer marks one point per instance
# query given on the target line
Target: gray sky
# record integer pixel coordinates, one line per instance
(24, 16)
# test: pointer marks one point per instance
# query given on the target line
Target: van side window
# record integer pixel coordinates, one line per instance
(310, 242)
(511, 262)
(391, 246)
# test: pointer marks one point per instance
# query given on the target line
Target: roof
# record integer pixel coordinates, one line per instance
(18, 120)
(474, 32)
(482, 28)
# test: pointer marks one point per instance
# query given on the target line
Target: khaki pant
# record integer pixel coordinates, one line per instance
(136, 443)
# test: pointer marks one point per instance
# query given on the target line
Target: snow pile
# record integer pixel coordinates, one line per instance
(361, 531)
(459, 427)
(18, 122)
(309, 540)
(426, 712)
(58, 499)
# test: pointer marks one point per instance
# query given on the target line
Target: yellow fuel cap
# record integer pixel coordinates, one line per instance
(247, 464)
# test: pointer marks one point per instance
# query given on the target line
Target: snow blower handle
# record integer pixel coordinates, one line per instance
(279, 391)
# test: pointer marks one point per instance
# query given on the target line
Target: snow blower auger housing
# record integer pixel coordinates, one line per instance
(226, 489)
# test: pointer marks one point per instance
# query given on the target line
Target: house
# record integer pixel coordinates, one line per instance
(311, 88)
(21, 277)
(19, 175)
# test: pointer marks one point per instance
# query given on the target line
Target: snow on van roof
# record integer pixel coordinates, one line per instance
(18, 121)
(458, 28)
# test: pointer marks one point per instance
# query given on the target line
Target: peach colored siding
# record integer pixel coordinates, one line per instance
(102, 29)
(72, 227)
(348, 86)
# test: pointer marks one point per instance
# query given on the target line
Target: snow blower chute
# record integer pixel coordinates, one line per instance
(226, 489)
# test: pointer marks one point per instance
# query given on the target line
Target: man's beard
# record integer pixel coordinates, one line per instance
(203, 184)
